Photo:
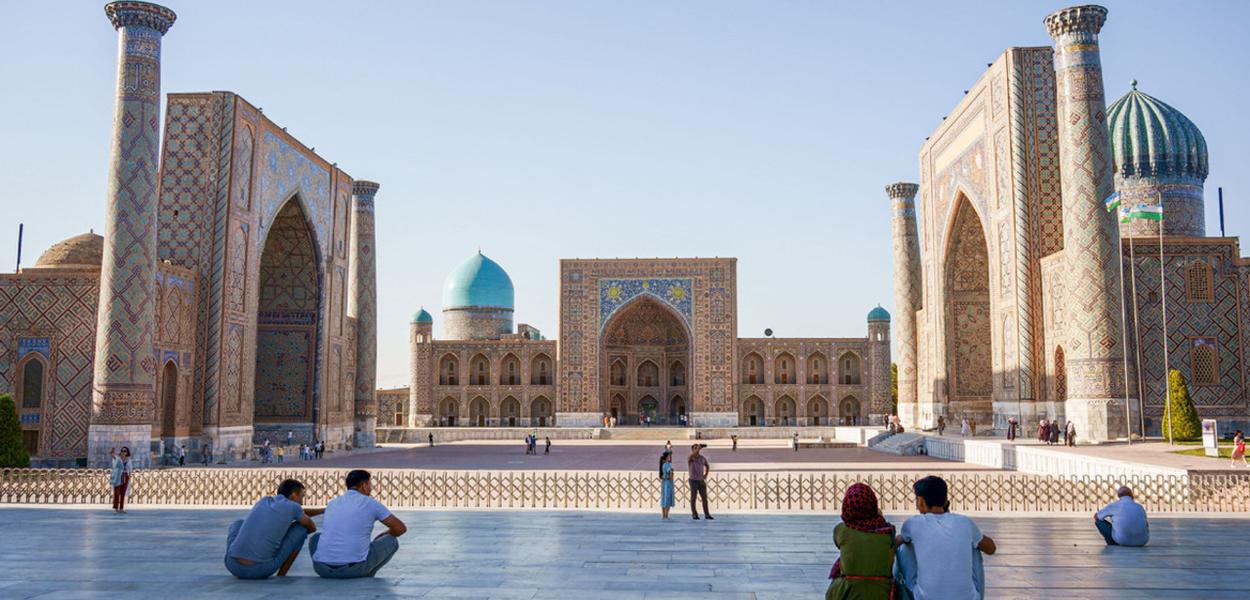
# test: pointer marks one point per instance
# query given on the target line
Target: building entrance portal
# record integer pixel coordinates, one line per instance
(645, 353)
(968, 323)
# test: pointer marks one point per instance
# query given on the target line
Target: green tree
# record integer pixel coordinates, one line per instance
(894, 386)
(1182, 418)
(12, 450)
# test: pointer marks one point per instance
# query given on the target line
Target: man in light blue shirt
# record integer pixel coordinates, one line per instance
(344, 551)
(938, 553)
(271, 536)
(1123, 522)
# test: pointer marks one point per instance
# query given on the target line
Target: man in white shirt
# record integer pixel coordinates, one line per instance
(343, 550)
(939, 553)
(1127, 524)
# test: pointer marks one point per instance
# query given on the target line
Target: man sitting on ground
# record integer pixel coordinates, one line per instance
(344, 551)
(271, 536)
(1123, 522)
(939, 553)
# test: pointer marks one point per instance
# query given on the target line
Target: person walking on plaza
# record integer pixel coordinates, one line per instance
(182, 456)
(1069, 434)
(941, 424)
(1042, 430)
(1123, 522)
(343, 550)
(1239, 449)
(963, 427)
(205, 454)
(734, 439)
(699, 469)
(796, 441)
(547, 446)
(269, 539)
(119, 478)
(1011, 430)
(668, 446)
(938, 554)
(431, 439)
(865, 542)
(1054, 432)
(972, 424)
(666, 483)
(281, 454)
(289, 436)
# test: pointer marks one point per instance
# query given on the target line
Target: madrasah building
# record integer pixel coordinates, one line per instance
(1019, 295)
(652, 339)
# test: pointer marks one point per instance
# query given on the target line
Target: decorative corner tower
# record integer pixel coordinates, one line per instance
(1095, 372)
(880, 402)
(421, 355)
(123, 389)
(363, 306)
(907, 295)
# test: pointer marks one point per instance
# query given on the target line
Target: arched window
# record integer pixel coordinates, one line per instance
(1204, 362)
(1198, 285)
(677, 373)
(849, 364)
(540, 370)
(448, 371)
(32, 383)
(752, 369)
(511, 372)
(480, 369)
(648, 374)
(618, 372)
(783, 369)
(816, 373)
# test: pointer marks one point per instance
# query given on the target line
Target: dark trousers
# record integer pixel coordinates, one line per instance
(1104, 527)
(699, 488)
(119, 493)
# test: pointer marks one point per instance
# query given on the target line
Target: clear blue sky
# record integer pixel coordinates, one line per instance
(539, 130)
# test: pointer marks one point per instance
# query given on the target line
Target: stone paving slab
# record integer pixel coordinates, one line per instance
(177, 553)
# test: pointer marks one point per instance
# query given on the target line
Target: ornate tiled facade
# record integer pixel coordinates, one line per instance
(1020, 313)
(219, 288)
(651, 338)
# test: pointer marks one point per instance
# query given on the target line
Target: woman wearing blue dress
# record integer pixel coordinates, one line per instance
(666, 483)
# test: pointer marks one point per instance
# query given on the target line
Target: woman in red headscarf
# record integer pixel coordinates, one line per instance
(865, 569)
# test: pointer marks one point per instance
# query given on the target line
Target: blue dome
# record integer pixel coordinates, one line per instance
(479, 283)
(1151, 139)
(422, 316)
(878, 315)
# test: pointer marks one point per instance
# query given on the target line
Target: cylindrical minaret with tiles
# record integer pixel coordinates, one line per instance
(1094, 314)
(907, 295)
(123, 389)
(363, 306)
(421, 369)
(880, 403)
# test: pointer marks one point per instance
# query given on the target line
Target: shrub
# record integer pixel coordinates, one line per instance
(12, 450)
(1182, 418)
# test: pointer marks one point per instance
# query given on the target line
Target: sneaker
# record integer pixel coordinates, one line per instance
(695, 517)
(708, 517)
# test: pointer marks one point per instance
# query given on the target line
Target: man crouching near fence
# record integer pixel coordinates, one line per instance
(271, 536)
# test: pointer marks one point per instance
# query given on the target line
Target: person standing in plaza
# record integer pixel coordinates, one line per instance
(269, 539)
(963, 427)
(938, 553)
(699, 469)
(281, 454)
(1239, 449)
(734, 439)
(547, 447)
(1011, 430)
(1054, 432)
(667, 492)
(119, 478)
(796, 441)
(1069, 434)
(431, 439)
(865, 541)
(343, 550)
(668, 446)
(941, 424)
(182, 456)
(1123, 522)
(972, 423)
(289, 436)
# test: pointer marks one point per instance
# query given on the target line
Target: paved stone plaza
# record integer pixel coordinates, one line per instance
(759, 455)
(155, 553)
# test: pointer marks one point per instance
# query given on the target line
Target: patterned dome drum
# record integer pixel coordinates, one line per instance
(478, 283)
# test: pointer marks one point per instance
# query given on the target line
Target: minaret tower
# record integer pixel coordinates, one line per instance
(420, 369)
(123, 390)
(363, 306)
(907, 296)
(1094, 313)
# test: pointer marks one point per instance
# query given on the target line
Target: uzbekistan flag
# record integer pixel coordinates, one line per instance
(1126, 214)
(1150, 212)
(1112, 201)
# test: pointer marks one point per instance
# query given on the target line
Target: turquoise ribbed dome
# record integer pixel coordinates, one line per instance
(878, 315)
(480, 283)
(422, 316)
(1151, 139)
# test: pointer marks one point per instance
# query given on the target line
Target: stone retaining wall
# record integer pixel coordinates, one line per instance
(1038, 459)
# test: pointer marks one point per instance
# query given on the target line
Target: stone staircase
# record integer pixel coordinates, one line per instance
(647, 433)
(902, 444)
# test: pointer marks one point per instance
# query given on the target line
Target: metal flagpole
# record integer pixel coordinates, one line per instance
(1167, 371)
(1128, 417)
(1141, 384)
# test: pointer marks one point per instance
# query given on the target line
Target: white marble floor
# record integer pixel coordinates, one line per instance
(177, 553)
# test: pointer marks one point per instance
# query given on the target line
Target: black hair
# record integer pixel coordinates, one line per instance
(357, 477)
(289, 486)
(663, 457)
(125, 449)
(933, 490)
